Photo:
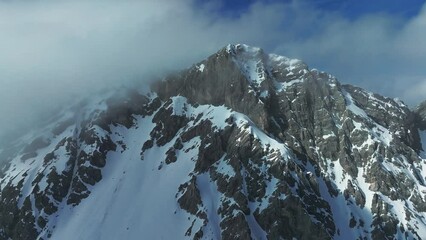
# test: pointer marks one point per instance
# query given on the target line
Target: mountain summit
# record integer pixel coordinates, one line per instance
(241, 145)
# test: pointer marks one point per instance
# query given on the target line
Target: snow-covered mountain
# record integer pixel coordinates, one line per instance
(241, 145)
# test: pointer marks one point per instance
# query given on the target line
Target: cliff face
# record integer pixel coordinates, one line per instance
(241, 145)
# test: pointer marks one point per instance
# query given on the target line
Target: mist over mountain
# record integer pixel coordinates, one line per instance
(241, 145)
(54, 52)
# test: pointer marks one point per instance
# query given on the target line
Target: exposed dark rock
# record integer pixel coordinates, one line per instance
(171, 156)
(386, 225)
(356, 193)
(287, 219)
(190, 199)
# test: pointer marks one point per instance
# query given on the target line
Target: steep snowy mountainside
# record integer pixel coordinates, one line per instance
(56, 164)
(369, 136)
(242, 145)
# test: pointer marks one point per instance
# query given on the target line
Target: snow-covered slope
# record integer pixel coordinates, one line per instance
(242, 145)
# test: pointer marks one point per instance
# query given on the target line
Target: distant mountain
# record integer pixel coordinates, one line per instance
(421, 112)
(241, 145)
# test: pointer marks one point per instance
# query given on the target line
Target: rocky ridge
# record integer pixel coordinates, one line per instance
(242, 145)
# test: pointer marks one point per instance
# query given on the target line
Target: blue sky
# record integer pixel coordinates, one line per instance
(350, 9)
(356, 8)
(63, 50)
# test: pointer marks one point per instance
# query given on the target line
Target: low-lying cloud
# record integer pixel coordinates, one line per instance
(53, 52)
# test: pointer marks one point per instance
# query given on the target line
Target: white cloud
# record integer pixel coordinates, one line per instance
(53, 50)
(380, 52)
(415, 91)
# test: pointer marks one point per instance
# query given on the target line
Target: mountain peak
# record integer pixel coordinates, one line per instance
(243, 144)
(247, 50)
(257, 66)
(242, 48)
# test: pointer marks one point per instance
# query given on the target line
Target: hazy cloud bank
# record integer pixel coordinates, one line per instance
(379, 52)
(55, 51)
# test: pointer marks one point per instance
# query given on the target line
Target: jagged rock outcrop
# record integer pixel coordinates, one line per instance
(241, 145)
